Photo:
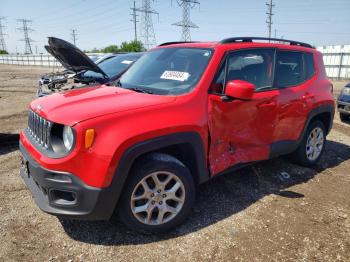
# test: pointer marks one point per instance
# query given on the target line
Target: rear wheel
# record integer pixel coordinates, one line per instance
(312, 145)
(343, 117)
(159, 195)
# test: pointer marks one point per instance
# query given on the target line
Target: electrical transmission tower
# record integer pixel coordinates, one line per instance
(74, 35)
(269, 13)
(186, 22)
(134, 19)
(27, 40)
(2, 39)
(147, 31)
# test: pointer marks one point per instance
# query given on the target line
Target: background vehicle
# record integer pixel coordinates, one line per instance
(182, 114)
(96, 57)
(343, 103)
(80, 69)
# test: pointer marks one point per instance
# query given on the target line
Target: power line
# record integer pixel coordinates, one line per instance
(186, 22)
(134, 20)
(27, 40)
(147, 31)
(269, 13)
(2, 39)
(74, 35)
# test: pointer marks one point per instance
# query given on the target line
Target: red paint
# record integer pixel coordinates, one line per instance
(240, 131)
(240, 89)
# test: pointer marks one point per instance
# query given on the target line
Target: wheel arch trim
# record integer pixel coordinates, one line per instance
(284, 147)
(133, 152)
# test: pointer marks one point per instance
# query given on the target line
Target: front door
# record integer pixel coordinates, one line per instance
(242, 131)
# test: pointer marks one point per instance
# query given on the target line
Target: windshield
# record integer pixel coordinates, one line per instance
(114, 65)
(167, 71)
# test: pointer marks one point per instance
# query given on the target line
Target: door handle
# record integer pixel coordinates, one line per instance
(267, 104)
(308, 96)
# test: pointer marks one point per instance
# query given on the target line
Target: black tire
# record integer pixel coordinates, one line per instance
(343, 117)
(146, 166)
(299, 156)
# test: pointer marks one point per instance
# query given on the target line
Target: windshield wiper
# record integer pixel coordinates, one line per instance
(136, 89)
(140, 90)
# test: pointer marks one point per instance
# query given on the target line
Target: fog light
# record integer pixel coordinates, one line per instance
(63, 198)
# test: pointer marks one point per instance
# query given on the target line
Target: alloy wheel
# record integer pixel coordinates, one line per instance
(314, 144)
(157, 198)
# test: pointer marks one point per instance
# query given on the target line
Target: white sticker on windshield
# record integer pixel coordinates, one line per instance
(128, 62)
(175, 75)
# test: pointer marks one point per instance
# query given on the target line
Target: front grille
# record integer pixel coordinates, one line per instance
(39, 128)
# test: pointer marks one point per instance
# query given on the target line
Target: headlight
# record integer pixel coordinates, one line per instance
(68, 137)
(346, 91)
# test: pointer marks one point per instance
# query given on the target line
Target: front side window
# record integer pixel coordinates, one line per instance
(289, 68)
(254, 66)
(167, 71)
(217, 87)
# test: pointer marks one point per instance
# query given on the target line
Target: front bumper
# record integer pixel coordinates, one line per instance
(63, 194)
(343, 107)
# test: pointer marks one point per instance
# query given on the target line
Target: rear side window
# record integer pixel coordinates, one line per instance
(309, 65)
(289, 69)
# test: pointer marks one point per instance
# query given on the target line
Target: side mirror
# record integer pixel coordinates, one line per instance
(239, 89)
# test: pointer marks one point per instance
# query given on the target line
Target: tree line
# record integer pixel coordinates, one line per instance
(132, 46)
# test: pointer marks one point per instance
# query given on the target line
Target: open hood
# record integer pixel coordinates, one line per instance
(71, 57)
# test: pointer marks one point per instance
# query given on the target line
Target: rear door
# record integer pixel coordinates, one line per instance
(294, 73)
(242, 131)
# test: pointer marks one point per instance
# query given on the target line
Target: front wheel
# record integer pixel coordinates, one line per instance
(312, 145)
(158, 196)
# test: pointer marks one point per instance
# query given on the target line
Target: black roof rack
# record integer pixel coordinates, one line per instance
(179, 42)
(250, 39)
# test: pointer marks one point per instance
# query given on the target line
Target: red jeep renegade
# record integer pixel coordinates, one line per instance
(182, 114)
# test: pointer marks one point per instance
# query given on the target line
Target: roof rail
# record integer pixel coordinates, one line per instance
(178, 42)
(250, 39)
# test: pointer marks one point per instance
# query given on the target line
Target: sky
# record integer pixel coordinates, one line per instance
(106, 22)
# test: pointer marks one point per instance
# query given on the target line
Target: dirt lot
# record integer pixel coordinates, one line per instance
(272, 211)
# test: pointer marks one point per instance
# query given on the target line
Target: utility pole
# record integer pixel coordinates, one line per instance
(27, 40)
(147, 31)
(2, 39)
(269, 13)
(134, 19)
(74, 35)
(186, 22)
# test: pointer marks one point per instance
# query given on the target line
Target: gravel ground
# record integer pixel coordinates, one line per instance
(271, 211)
